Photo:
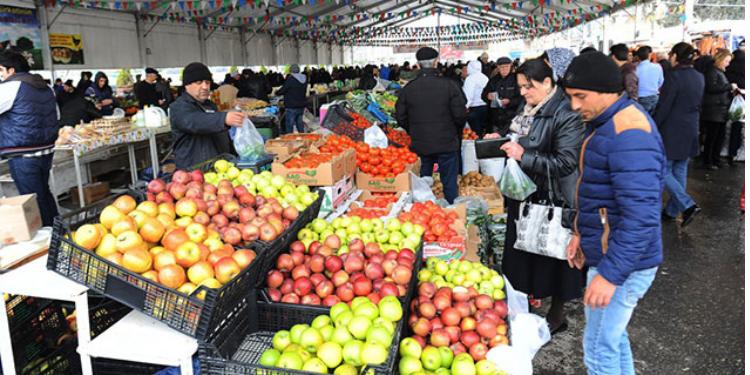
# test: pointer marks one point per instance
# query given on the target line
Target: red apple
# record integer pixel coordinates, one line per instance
(450, 317)
(439, 337)
(468, 324)
(333, 241)
(333, 263)
(401, 275)
(374, 271)
(297, 246)
(389, 289)
(310, 299)
(427, 310)
(354, 263)
(362, 287)
(156, 186)
(287, 286)
(454, 333)
(300, 271)
(290, 298)
(274, 279)
(469, 338)
(483, 301)
(421, 327)
(345, 292)
(478, 351)
(487, 328)
(317, 278)
(274, 294)
(340, 278)
(331, 300)
(285, 262)
(427, 289)
(324, 289)
(302, 286)
(317, 263)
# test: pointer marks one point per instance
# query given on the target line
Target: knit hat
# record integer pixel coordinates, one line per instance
(593, 71)
(426, 53)
(294, 68)
(195, 72)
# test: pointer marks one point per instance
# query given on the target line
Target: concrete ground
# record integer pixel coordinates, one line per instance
(692, 320)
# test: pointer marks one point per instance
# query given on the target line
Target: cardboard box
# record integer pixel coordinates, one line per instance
(325, 174)
(91, 192)
(19, 218)
(493, 197)
(393, 208)
(304, 138)
(454, 250)
(282, 148)
(401, 182)
(337, 194)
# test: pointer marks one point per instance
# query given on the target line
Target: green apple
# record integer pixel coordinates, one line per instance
(281, 340)
(342, 250)
(303, 189)
(409, 365)
(319, 225)
(498, 294)
(407, 228)
(408, 244)
(296, 332)
(424, 275)
(435, 279)
(326, 332)
(366, 226)
(385, 323)
(337, 223)
(321, 321)
(338, 309)
(346, 221)
(373, 354)
(431, 359)
(368, 309)
(290, 360)
(308, 199)
(354, 228)
(497, 281)
(305, 234)
(416, 238)
(315, 365)
(390, 308)
(446, 356)
(304, 354)
(395, 238)
(441, 268)
(292, 348)
(485, 367)
(269, 357)
(382, 236)
(341, 335)
(459, 279)
(444, 371)
(343, 234)
(327, 232)
(379, 335)
(330, 354)
(358, 301)
(343, 319)
(418, 229)
(410, 347)
(463, 364)
(368, 237)
(356, 219)
(465, 266)
(278, 181)
(352, 352)
(345, 369)
(377, 225)
(221, 165)
(358, 327)
(311, 339)
(393, 225)
(269, 191)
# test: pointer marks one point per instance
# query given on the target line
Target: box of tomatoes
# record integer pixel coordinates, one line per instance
(386, 182)
(446, 236)
(314, 168)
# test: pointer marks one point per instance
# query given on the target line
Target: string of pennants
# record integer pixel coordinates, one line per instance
(196, 11)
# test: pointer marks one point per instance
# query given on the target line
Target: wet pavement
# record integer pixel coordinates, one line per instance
(692, 320)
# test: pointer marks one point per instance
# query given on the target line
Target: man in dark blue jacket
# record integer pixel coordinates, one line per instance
(618, 224)
(295, 99)
(28, 130)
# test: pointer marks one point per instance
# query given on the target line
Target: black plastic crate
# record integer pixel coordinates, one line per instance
(20, 308)
(39, 335)
(258, 166)
(62, 361)
(104, 313)
(188, 314)
(405, 300)
(204, 166)
(238, 347)
(106, 366)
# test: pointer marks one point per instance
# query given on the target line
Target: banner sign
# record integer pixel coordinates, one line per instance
(19, 30)
(66, 49)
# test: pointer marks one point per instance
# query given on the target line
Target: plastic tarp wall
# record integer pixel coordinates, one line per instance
(338, 58)
(224, 48)
(286, 52)
(109, 38)
(172, 45)
(259, 49)
(307, 53)
(324, 54)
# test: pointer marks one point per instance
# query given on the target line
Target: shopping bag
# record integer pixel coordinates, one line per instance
(737, 109)
(375, 137)
(515, 184)
(248, 142)
(469, 157)
(421, 188)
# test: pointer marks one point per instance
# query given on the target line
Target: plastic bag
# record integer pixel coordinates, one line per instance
(469, 157)
(421, 188)
(737, 109)
(375, 137)
(492, 167)
(248, 142)
(514, 183)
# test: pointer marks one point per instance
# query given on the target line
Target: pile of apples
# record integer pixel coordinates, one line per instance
(392, 234)
(328, 273)
(440, 361)
(464, 273)
(233, 211)
(438, 222)
(145, 238)
(469, 134)
(460, 318)
(342, 342)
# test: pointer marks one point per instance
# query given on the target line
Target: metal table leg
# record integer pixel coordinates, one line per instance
(6, 348)
(133, 164)
(84, 330)
(79, 179)
(53, 185)
(154, 154)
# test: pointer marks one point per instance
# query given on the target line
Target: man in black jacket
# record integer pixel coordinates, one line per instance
(503, 96)
(198, 130)
(253, 85)
(145, 91)
(295, 99)
(432, 109)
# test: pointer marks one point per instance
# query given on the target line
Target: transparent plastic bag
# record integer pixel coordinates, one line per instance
(248, 142)
(421, 188)
(515, 184)
(375, 137)
(737, 109)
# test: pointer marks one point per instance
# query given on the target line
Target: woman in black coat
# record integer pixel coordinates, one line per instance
(368, 81)
(550, 138)
(678, 117)
(716, 101)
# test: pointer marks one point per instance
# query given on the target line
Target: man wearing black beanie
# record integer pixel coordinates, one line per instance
(199, 131)
(618, 226)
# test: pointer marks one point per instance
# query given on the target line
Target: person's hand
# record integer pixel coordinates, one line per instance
(599, 292)
(513, 150)
(491, 96)
(161, 101)
(505, 102)
(106, 102)
(491, 136)
(575, 258)
(235, 118)
(734, 87)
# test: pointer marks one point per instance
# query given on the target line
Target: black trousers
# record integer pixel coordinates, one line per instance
(715, 132)
(735, 138)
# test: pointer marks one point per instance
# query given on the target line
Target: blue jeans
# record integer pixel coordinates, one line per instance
(294, 118)
(606, 348)
(649, 103)
(31, 176)
(676, 183)
(448, 168)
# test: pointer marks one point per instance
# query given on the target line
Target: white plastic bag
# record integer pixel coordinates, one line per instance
(469, 156)
(248, 142)
(518, 302)
(514, 183)
(375, 137)
(737, 109)
(421, 188)
(492, 167)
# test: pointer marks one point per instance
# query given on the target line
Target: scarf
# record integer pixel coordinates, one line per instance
(521, 124)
